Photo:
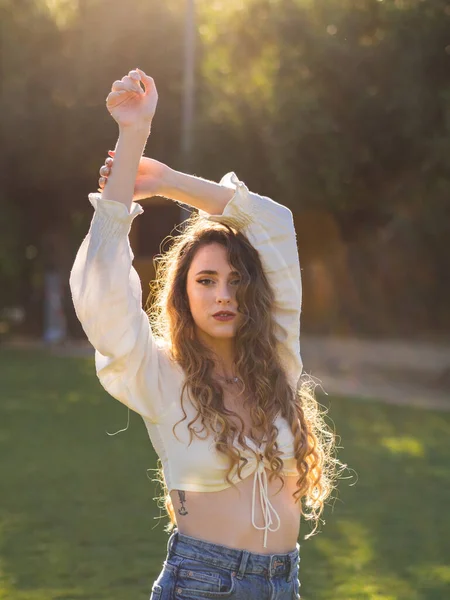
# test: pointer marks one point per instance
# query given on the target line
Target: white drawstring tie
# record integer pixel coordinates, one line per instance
(261, 477)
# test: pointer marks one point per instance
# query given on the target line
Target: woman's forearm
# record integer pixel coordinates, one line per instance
(128, 152)
(197, 192)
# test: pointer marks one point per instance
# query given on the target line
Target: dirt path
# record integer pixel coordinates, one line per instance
(399, 372)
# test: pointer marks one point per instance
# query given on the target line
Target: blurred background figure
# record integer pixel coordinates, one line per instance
(55, 329)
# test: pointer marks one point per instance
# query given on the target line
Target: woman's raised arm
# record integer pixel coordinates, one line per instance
(105, 287)
(133, 109)
(208, 196)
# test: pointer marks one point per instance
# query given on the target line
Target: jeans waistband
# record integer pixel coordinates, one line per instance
(239, 561)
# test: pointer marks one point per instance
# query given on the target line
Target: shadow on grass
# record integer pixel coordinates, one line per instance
(77, 515)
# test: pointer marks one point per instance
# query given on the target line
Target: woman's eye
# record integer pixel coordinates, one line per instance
(208, 281)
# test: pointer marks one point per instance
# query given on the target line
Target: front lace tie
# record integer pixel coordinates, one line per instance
(261, 477)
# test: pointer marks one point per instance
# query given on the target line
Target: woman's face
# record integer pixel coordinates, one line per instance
(211, 289)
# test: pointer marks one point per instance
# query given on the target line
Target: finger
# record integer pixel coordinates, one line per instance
(116, 98)
(102, 182)
(104, 171)
(148, 82)
(134, 75)
(109, 161)
(111, 152)
(118, 94)
(126, 85)
(117, 85)
(132, 84)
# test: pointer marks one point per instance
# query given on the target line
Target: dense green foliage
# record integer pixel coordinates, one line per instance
(78, 520)
(337, 108)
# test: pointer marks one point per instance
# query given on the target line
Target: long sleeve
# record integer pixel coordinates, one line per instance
(269, 226)
(107, 297)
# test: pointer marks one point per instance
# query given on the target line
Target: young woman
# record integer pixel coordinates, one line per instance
(214, 370)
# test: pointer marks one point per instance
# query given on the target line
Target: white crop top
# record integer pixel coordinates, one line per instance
(137, 370)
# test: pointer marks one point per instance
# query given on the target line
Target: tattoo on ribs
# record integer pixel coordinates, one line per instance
(182, 497)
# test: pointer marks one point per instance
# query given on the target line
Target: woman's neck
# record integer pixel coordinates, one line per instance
(223, 351)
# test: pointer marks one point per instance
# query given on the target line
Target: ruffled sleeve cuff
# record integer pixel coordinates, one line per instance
(241, 210)
(111, 218)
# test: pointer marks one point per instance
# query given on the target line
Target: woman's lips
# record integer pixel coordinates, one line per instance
(224, 317)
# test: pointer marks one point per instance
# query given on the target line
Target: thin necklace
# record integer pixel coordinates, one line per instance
(229, 379)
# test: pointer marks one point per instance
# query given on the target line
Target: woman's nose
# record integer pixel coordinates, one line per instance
(224, 293)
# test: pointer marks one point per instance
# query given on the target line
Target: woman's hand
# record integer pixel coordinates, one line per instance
(150, 177)
(129, 104)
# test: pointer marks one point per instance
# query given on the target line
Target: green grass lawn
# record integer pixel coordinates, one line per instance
(78, 519)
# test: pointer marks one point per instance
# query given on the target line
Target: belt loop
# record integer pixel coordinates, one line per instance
(290, 569)
(171, 541)
(293, 562)
(243, 564)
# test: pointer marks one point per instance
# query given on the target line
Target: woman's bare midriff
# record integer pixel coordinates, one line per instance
(225, 517)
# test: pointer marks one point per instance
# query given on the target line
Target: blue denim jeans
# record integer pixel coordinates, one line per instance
(198, 569)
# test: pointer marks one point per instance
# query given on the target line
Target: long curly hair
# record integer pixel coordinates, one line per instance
(257, 365)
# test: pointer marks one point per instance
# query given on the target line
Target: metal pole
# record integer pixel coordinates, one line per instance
(187, 142)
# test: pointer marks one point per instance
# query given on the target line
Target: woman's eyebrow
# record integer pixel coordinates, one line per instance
(209, 272)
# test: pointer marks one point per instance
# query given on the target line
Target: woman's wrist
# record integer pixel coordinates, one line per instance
(129, 148)
(140, 130)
